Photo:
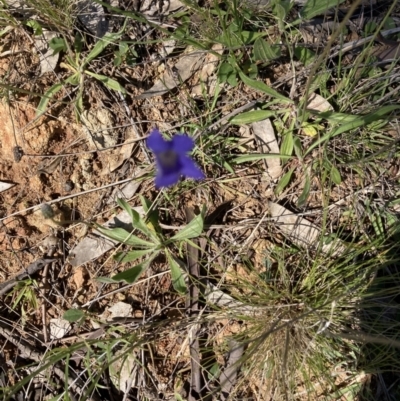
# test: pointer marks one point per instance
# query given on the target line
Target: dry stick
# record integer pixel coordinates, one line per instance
(141, 174)
(31, 269)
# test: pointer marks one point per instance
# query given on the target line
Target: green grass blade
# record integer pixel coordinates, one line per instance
(47, 97)
(259, 156)
(252, 116)
(260, 86)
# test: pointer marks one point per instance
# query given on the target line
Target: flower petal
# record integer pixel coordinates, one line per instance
(166, 180)
(156, 143)
(182, 144)
(190, 169)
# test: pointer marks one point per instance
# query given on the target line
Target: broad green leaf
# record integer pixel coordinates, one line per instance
(305, 55)
(58, 45)
(259, 156)
(284, 181)
(318, 7)
(262, 87)
(120, 235)
(305, 193)
(109, 82)
(137, 221)
(108, 38)
(263, 51)
(192, 230)
(35, 25)
(335, 175)
(131, 275)
(360, 121)
(124, 257)
(73, 315)
(252, 116)
(178, 277)
(287, 144)
(47, 97)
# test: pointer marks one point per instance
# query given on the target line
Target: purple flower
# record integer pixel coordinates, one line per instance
(171, 158)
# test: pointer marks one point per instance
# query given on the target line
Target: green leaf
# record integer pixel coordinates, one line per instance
(124, 257)
(73, 315)
(35, 25)
(305, 55)
(137, 221)
(259, 156)
(297, 147)
(252, 116)
(318, 7)
(192, 230)
(131, 275)
(260, 86)
(107, 39)
(109, 82)
(58, 45)
(283, 182)
(335, 175)
(105, 280)
(287, 143)
(47, 97)
(121, 235)
(263, 51)
(178, 277)
(305, 193)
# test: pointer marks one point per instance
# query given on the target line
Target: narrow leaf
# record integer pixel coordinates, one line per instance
(137, 221)
(252, 117)
(121, 235)
(73, 315)
(263, 51)
(259, 156)
(108, 38)
(178, 277)
(260, 86)
(287, 143)
(47, 97)
(124, 257)
(335, 175)
(109, 82)
(131, 275)
(305, 193)
(284, 181)
(192, 230)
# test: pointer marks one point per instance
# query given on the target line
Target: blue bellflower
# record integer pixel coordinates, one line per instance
(172, 160)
